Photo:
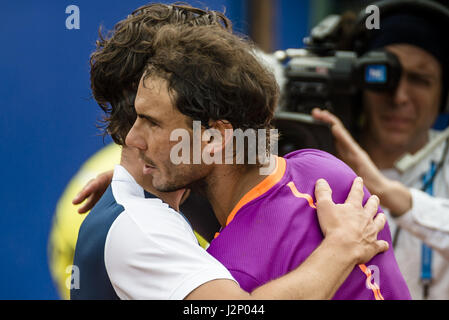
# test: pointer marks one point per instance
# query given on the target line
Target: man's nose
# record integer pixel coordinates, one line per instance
(135, 139)
(402, 93)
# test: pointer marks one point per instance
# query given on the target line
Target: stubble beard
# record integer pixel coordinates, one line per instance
(182, 180)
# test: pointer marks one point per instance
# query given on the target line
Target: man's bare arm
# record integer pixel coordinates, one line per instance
(350, 239)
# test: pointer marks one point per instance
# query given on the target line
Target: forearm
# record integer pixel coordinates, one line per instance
(317, 278)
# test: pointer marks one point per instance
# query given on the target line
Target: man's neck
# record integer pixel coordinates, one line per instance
(227, 185)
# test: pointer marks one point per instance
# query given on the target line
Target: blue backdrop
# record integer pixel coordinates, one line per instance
(47, 122)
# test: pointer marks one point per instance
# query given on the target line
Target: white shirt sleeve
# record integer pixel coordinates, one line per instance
(156, 256)
(428, 220)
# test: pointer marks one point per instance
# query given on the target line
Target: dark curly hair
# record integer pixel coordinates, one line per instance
(118, 62)
(214, 75)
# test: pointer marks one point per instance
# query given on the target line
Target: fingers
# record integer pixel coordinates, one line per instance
(93, 191)
(89, 193)
(90, 203)
(375, 248)
(372, 205)
(325, 116)
(88, 189)
(79, 197)
(382, 246)
(372, 246)
(379, 222)
(323, 192)
(356, 194)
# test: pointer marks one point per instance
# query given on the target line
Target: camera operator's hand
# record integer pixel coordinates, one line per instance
(393, 195)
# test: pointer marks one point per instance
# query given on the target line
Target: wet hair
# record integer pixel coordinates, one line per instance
(120, 57)
(214, 75)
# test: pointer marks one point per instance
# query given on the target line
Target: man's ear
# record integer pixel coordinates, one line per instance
(217, 138)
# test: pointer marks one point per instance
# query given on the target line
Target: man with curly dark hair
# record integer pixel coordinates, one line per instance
(119, 59)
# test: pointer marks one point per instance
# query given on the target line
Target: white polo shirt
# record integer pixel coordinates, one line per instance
(146, 249)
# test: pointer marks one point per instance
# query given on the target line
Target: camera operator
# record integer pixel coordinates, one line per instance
(398, 123)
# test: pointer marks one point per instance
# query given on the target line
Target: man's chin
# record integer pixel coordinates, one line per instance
(396, 142)
(167, 187)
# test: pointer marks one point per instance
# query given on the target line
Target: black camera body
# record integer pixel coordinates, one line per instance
(331, 82)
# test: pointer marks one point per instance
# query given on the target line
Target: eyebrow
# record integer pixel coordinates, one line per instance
(426, 75)
(147, 117)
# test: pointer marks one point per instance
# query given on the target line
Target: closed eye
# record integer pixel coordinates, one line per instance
(150, 120)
